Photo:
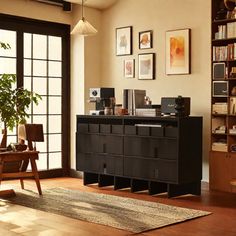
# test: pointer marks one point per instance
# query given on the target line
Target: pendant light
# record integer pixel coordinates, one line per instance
(83, 27)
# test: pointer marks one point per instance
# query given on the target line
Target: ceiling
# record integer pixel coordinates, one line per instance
(99, 4)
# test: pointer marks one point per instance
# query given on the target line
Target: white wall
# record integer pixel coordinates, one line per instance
(160, 16)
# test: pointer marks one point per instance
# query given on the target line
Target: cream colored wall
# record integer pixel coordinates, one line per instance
(35, 10)
(85, 68)
(94, 63)
(85, 52)
(160, 16)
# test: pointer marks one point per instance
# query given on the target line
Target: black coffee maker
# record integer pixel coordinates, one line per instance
(104, 99)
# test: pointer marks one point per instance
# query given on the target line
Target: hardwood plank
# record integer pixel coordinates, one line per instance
(221, 222)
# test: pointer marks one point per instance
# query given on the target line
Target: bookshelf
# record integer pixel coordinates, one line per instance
(223, 119)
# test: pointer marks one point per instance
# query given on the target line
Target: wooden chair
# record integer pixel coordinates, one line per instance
(14, 164)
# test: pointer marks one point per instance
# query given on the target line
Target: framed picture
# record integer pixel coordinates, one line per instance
(129, 68)
(124, 41)
(146, 62)
(145, 39)
(178, 52)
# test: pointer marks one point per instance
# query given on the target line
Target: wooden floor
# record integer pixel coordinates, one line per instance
(18, 220)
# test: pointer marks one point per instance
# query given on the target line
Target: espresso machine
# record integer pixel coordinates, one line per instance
(104, 99)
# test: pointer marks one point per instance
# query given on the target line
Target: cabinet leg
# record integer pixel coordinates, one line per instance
(181, 189)
(105, 180)
(157, 187)
(90, 178)
(121, 182)
(138, 185)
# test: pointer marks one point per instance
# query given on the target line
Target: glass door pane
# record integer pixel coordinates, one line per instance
(43, 75)
(8, 66)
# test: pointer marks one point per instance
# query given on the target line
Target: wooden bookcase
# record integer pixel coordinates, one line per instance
(223, 119)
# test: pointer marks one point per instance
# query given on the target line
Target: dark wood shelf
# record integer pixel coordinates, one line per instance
(224, 134)
(233, 182)
(224, 21)
(226, 61)
(220, 115)
(224, 40)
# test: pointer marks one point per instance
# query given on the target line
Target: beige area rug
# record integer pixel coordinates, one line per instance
(119, 212)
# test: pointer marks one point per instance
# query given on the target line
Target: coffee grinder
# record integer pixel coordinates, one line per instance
(104, 99)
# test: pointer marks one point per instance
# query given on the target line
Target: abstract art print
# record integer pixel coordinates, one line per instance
(178, 52)
(124, 41)
(129, 68)
(146, 63)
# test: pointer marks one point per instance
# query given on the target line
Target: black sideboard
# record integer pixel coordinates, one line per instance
(158, 154)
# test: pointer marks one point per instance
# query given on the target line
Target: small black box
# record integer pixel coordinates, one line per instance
(219, 71)
(220, 88)
(169, 105)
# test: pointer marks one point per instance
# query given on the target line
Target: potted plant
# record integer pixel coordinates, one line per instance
(14, 102)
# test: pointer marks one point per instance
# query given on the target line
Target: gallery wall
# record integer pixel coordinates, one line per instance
(94, 61)
(160, 16)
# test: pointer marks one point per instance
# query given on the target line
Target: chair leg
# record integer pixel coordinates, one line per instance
(36, 174)
(22, 183)
(1, 170)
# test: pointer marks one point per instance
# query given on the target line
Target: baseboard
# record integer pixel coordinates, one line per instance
(76, 174)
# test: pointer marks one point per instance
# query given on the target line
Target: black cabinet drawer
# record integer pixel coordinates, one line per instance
(130, 129)
(117, 129)
(100, 163)
(137, 146)
(149, 169)
(171, 131)
(94, 128)
(88, 163)
(82, 128)
(113, 144)
(113, 165)
(151, 147)
(157, 131)
(87, 143)
(104, 128)
(144, 131)
(166, 148)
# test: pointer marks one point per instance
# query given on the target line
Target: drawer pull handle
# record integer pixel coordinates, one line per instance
(104, 168)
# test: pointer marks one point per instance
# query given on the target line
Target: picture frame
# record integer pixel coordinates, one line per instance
(145, 39)
(129, 68)
(178, 51)
(146, 69)
(124, 41)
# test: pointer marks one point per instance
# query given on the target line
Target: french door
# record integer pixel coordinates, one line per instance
(39, 56)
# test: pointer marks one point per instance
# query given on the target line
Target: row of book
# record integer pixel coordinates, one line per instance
(226, 31)
(224, 53)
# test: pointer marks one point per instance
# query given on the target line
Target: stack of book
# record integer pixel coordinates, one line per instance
(219, 146)
(231, 30)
